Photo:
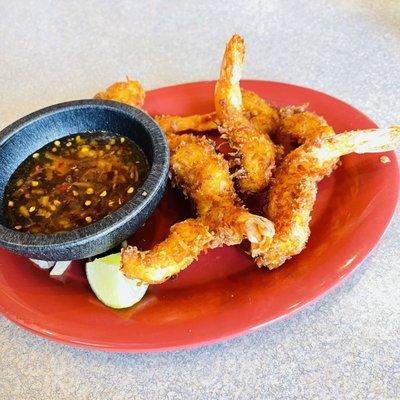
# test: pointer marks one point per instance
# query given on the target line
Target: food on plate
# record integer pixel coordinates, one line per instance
(247, 122)
(73, 182)
(256, 152)
(261, 115)
(292, 194)
(185, 241)
(60, 267)
(298, 125)
(204, 176)
(301, 125)
(129, 92)
(111, 286)
(80, 179)
(264, 118)
(43, 264)
(197, 123)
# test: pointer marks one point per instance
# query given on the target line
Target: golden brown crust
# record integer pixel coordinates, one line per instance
(255, 149)
(198, 122)
(264, 117)
(130, 92)
(201, 172)
(204, 176)
(185, 241)
(292, 193)
(291, 198)
(301, 126)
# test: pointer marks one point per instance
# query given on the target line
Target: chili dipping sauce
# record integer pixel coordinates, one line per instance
(73, 182)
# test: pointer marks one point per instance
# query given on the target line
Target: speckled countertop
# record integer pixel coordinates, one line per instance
(346, 346)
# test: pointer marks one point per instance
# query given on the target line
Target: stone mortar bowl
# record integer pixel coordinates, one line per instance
(27, 135)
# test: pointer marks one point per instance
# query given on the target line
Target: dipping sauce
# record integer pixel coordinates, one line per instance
(73, 182)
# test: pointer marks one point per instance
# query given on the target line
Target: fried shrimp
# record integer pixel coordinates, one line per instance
(129, 92)
(263, 117)
(300, 126)
(292, 194)
(197, 123)
(255, 151)
(204, 176)
(185, 241)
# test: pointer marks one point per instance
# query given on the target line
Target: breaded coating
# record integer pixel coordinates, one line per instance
(292, 194)
(292, 217)
(129, 92)
(185, 241)
(255, 151)
(299, 125)
(204, 176)
(263, 117)
(197, 122)
(211, 183)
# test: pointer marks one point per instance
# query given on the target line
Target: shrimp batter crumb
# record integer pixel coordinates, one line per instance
(385, 160)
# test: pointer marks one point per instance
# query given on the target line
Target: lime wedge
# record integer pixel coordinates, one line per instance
(111, 286)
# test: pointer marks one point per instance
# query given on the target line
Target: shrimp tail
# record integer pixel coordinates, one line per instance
(231, 72)
(371, 140)
(360, 142)
(260, 232)
(196, 123)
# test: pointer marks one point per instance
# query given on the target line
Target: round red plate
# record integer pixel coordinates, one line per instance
(223, 294)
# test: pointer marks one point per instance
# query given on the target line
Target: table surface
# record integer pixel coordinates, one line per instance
(346, 346)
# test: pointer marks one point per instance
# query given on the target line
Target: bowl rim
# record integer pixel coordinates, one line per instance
(154, 182)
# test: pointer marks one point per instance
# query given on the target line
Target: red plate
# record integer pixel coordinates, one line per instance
(223, 294)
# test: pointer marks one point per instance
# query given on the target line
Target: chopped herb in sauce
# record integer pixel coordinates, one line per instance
(73, 182)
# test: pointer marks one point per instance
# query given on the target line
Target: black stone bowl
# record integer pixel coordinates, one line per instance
(30, 133)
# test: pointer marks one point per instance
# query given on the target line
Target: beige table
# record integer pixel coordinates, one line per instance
(346, 346)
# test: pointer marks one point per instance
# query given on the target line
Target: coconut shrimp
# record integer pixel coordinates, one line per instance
(292, 194)
(129, 92)
(298, 126)
(256, 152)
(204, 176)
(185, 241)
(263, 117)
(188, 238)
(196, 123)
